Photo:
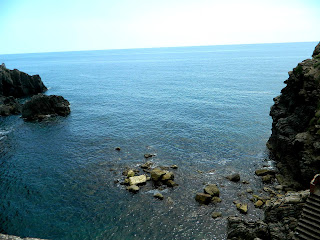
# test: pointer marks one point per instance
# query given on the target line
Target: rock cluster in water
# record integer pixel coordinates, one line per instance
(15, 84)
(295, 139)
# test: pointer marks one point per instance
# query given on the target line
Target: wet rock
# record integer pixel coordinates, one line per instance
(133, 188)
(171, 183)
(267, 178)
(156, 174)
(148, 155)
(167, 176)
(9, 106)
(245, 182)
(158, 196)
(130, 173)
(174, 166)
(146, 165)
(235, 177)
(41, 105)
(242, 207)
(142, 179)
(203, 198)
(117, 149)
(249, 190)
(258, 203)
(212, 189)
(216, 214)
(216, 200)
(265, 171)
(169, 200)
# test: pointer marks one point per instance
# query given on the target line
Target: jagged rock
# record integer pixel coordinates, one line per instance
(167, 176)
(296, 121)
(212, 189)
(159, 196)
(203, 198)
(258, 203)
(133, 188)
(19, 84)
(235, 177)
(41, 105)
(242, 207)
(9, 106)
(136, 180)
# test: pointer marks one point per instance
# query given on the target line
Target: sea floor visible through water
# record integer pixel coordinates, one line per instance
(205, 109)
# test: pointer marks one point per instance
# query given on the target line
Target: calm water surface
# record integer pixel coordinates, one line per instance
(205, 109)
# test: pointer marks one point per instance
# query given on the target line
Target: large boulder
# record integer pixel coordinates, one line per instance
(40, 106)
(295, 137)
(19, 84)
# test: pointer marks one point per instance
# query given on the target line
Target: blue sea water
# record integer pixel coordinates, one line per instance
(205, 109)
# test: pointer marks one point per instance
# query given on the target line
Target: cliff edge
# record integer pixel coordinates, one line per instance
(295, 138)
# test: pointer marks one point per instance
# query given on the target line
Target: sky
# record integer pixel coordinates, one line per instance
(29, 26)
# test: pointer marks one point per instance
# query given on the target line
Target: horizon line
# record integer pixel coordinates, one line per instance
(134, 48)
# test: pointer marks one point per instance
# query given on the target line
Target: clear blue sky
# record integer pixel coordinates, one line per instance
(68, 25)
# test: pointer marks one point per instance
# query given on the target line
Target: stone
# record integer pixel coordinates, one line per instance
(235, 177)
(158, 196)
(9, 106)
(40, 105)
(258, 203)
(130, 173)
(117, 149)
(203, 198)
(146, 165)
(249, 190)
(212, 189)
(265, 171)
(267, 178)
(216, 214)
(133, 188)
(171, 183)
(167, 176)
(148, 155)
(216, 200)
(242, 208)
(137, 180)
(156, 174)
(174, 166)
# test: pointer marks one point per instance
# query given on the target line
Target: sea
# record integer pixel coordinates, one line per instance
(204, 109)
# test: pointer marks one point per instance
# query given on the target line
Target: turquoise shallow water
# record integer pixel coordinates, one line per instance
(202, 108)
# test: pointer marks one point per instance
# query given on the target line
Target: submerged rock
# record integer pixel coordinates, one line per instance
(216, 214)
(41, 105)
(203, 198)
(133, 188)
(235, 177)
(158, 196)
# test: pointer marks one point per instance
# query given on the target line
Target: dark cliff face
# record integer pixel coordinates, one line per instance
(295, 139)
(19, 84)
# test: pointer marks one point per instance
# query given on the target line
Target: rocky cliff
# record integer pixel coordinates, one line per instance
(295, 139)
(19, 84)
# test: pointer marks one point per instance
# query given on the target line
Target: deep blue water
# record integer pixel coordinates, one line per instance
(202, 108)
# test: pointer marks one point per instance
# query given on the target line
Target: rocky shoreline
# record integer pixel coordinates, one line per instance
(16, 85)
(294, 145)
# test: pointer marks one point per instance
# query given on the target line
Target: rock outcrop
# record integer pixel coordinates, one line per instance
(281, 219)
(19, 84)
(41, 106)
(9, 106)
(295, 139)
